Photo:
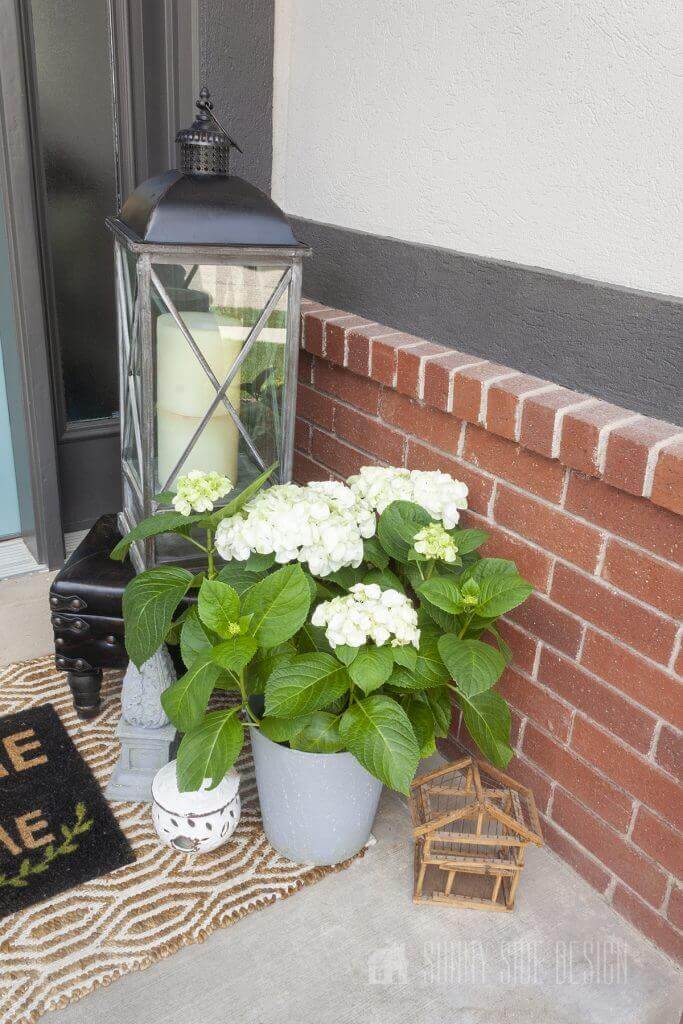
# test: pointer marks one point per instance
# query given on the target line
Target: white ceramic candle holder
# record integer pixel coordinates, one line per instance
(195, 822)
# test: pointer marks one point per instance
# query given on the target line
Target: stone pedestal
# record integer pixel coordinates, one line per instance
(143, 752)
(144, 729)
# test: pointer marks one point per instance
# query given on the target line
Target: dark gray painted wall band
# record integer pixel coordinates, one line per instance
(620, 345)
(236, 51)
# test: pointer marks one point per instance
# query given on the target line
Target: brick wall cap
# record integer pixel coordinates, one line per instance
(548, 414)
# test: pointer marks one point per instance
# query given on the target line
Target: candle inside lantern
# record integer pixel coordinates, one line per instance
(184, 393)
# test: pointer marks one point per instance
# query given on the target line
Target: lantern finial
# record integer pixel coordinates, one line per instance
(205, 145)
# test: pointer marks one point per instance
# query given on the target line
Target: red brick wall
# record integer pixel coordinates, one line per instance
(586, 497)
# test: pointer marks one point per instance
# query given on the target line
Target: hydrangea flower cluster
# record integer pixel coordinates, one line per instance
(368, 613)
(437, 492)
(322, 524)
(434, 542)
(198, 491)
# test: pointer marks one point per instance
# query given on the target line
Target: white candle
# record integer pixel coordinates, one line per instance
(184, 393)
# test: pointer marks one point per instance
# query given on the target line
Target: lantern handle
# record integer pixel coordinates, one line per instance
(205, 105)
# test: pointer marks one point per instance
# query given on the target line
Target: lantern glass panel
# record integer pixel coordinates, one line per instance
(238, 432)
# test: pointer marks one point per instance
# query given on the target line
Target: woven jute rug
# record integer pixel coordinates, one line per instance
(55, 952)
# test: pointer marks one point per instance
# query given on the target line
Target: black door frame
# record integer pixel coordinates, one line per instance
(155, 77)
(41, 523)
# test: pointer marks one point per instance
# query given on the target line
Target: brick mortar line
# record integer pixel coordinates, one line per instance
(421, 373)
(657, 719)
(670, 877)
(604, 436)
(582, 644)
(555, 784)
(653, 452)
(521, 399)
(565, 487)
(610, 871)
(345, 357)
(652, 460)
(553, 506)
(551, 570)
(602, 554)
(577, 568)
(558, 423)
(350, 444)
(599, 771)
(637, 804)
(484, 395)
(671, 883)
(614, 879)
(654, 742)
(676, 651)
(611, 885)
(461, 440)
(451, 382)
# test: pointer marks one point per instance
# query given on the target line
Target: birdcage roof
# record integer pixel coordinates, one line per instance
(450, 802)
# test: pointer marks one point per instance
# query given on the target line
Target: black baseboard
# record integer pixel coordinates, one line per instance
(620, 345)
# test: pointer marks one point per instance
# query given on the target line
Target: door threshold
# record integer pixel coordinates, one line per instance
(16, 559)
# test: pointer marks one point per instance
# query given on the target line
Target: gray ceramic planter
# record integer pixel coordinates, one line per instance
(316, 808)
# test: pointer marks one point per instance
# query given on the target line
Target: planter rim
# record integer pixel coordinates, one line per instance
(309, 753)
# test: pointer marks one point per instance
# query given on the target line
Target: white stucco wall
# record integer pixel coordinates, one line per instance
(545, 132)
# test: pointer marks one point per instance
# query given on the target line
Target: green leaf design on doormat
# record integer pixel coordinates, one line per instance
(81, 825)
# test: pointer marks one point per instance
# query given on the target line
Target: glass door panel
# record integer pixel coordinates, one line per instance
(73, 79)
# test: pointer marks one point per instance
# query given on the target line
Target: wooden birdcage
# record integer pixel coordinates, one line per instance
(472, 825)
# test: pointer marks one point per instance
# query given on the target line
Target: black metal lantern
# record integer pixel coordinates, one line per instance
(208, 277)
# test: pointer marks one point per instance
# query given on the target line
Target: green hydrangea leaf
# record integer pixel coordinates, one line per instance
(279, 604)
(397, 526)
(474, 665)
(149, 602)
(378, 733)
(487, 718)
(371, 667)
(209, 750)
(306, 683)
(317, 733)
(219, 607)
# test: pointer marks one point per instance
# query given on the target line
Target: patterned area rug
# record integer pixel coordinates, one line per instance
(55, 952)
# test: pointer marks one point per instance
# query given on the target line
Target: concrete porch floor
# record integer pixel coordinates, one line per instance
(353, 949)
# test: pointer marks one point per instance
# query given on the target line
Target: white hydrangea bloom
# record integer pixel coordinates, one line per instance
(434, 542)
(198, 491)
(322, 525)
(437, 492)
(368, 613)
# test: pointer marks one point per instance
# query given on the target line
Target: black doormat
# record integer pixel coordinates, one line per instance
(56, 828)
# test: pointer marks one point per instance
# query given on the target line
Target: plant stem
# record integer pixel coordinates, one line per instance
(211, 569)
(195, 542)
(466, 626)
(245, 700)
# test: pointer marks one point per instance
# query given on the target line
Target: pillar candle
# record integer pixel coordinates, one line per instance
(184, 393)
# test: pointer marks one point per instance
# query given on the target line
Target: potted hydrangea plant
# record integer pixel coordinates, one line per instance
(345, 619)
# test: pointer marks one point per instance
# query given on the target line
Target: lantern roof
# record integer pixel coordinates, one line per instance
(175, 208)
(202, 203)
